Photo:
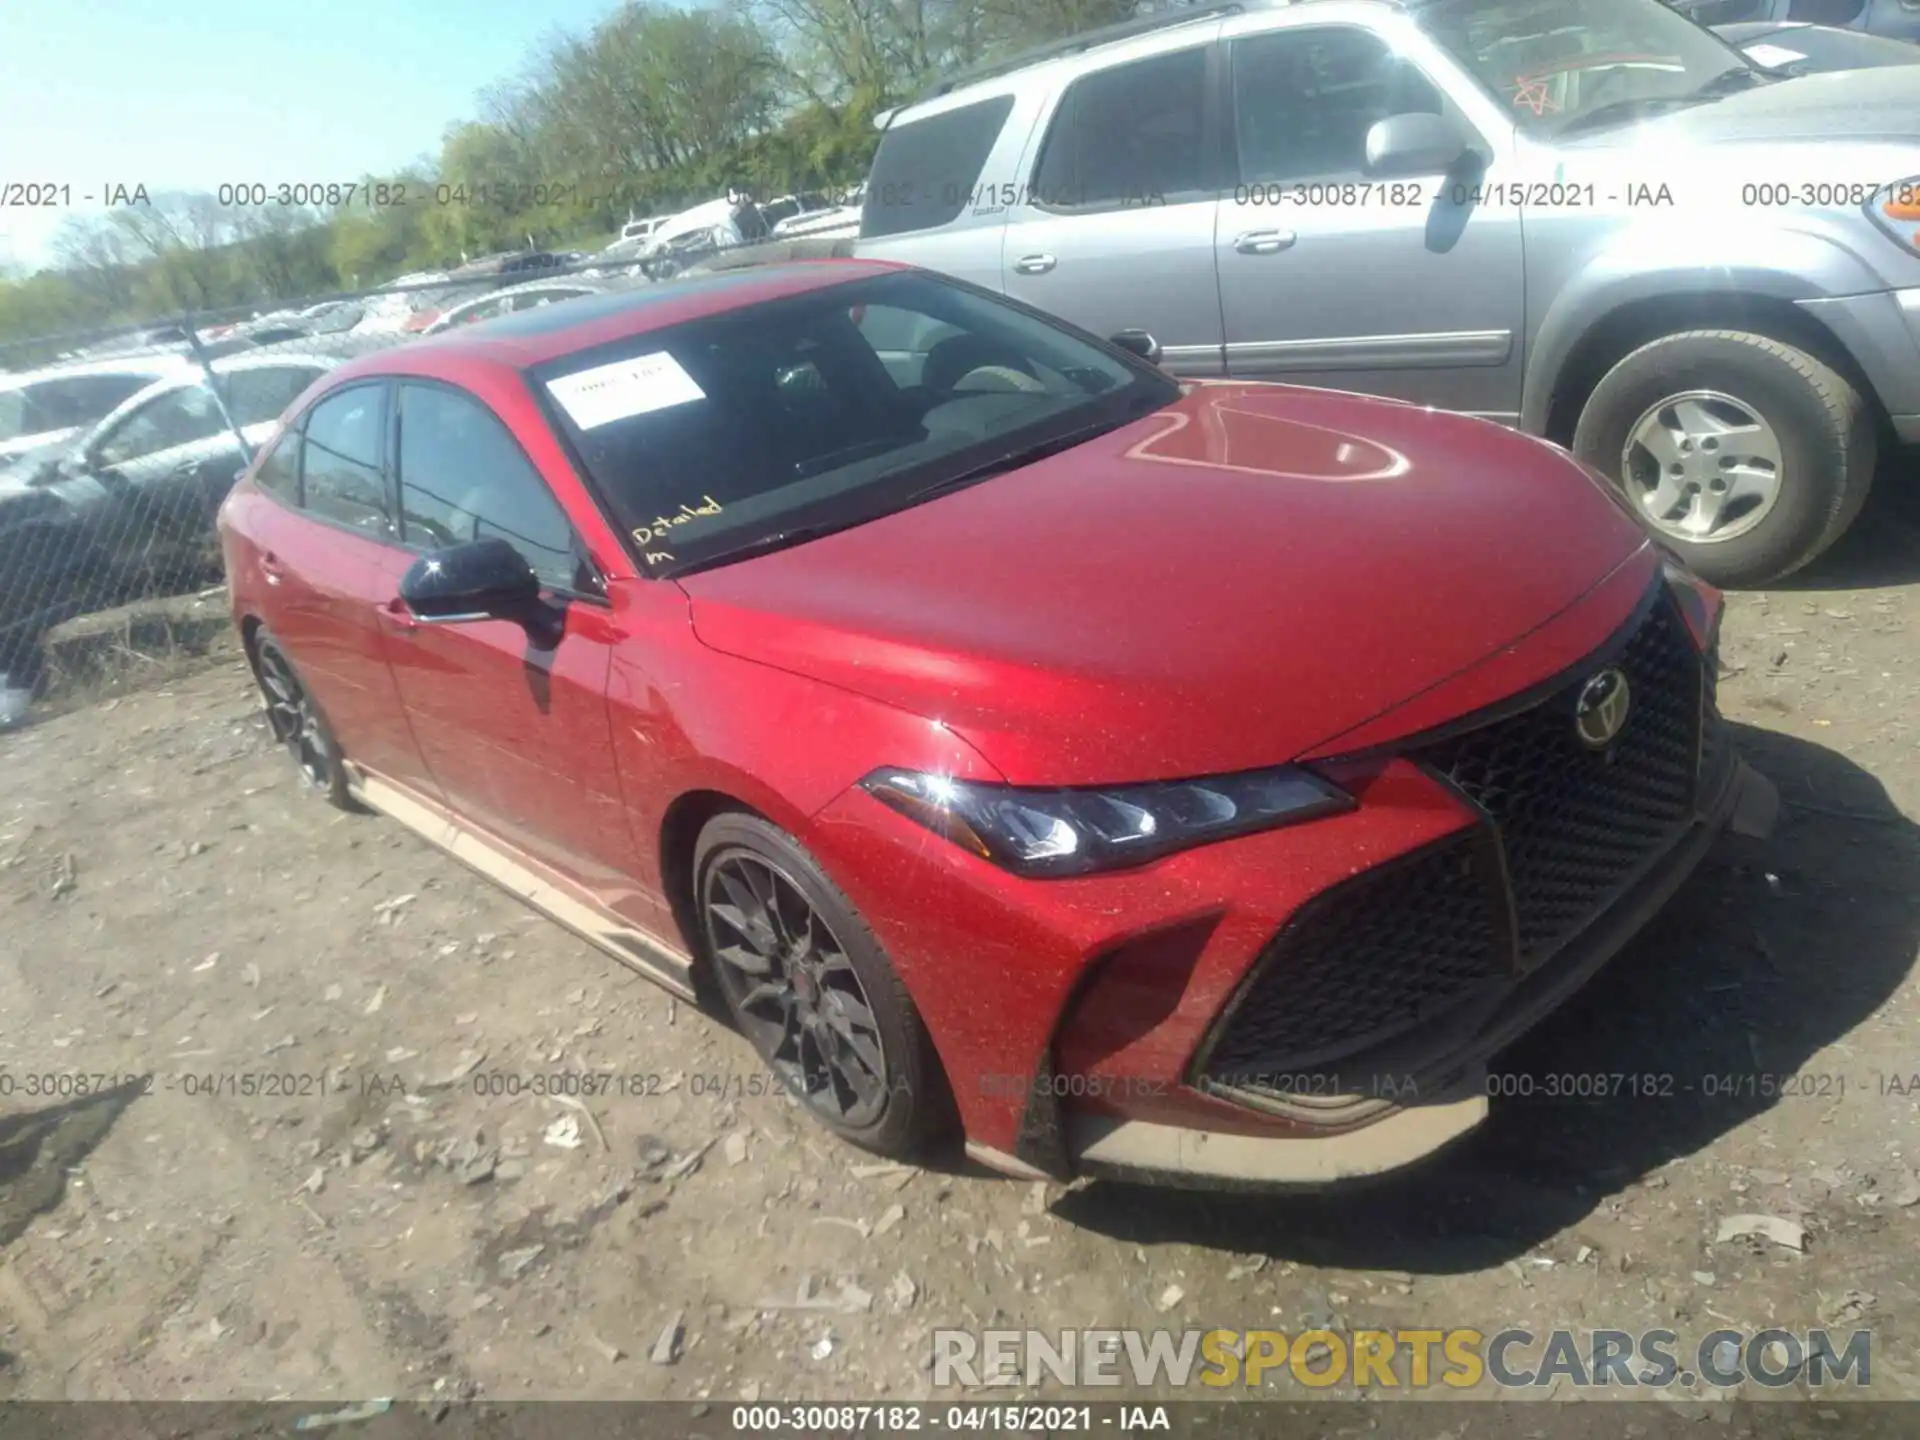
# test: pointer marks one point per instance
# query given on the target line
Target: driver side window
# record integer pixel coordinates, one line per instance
(464, 477)
(1304, 100)
(178, 417)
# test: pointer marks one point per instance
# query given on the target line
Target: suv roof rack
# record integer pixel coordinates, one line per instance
(1085, 40)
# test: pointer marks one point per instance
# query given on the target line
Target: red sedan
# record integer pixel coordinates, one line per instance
(1188, 780)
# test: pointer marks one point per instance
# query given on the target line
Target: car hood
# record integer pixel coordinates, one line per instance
(1217, 586)
(1857, 105)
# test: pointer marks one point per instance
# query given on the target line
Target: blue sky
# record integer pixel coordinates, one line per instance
(190, 94)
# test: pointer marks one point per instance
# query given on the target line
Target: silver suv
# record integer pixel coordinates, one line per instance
(1589, 218)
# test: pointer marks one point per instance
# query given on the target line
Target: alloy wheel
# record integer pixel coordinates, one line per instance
(1702, 466)
(793, 989)
(293, 720)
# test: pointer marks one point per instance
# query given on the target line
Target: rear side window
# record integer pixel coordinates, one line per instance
(279, 473)
(340, 461)
(925, 171)
(1132, 135)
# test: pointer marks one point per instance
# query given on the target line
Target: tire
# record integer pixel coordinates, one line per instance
(295, 720)
(1807, 414)
(912, 1106)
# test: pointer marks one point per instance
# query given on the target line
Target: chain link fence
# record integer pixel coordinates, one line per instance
(118, 446)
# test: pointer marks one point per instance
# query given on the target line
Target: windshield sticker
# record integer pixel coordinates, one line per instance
(1772, 55)
(661, 526)
(623, 389)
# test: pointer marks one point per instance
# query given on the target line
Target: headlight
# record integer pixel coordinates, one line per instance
(1074, 832)
(1700, 604)
(1895, 209)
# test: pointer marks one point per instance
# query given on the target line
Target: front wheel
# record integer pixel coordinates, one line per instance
(810, 988)
(1746, 455)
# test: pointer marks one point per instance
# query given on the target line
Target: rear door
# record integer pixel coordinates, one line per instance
(514, 726)
(1113, 228)
(323, 547)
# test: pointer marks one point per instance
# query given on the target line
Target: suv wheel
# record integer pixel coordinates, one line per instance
(1748, 456)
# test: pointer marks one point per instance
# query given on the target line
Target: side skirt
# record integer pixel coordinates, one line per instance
(554, 896)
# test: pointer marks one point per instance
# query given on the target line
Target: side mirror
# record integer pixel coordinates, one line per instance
(1414, 145)
(1140, 343)
(478, 580)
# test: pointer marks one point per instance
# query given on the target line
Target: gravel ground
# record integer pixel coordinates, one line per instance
(373, 1213)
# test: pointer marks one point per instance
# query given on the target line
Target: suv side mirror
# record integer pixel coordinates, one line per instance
(1416, 144)
(1140, 343)
(478, 580)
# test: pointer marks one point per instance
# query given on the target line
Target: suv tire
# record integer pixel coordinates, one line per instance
(1805, 412)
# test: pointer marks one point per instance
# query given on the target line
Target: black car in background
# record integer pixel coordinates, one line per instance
(126, 509)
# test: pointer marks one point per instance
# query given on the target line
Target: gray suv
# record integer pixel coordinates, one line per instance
(1592, 219)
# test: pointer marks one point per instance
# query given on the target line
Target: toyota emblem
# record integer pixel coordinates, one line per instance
(1601, 711)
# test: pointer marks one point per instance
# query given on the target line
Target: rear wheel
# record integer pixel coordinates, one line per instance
(1748, 456)
(810, 988)
(296, 722)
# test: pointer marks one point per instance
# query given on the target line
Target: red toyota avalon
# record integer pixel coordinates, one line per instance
(1187, 780)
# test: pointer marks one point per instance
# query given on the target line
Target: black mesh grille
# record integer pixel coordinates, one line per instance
(1577, 824)
(1373, 956)
(1397, 946)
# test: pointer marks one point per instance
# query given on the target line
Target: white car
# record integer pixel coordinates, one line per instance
(696, 233)
(841, 220)
(386, 314)
(43, 407)
(510, 300)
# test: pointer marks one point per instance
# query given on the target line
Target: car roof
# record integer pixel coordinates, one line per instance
(532, 337)
(995, 75)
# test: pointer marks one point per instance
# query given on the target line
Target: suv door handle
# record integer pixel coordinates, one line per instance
(1035, 264)
(1264, 242)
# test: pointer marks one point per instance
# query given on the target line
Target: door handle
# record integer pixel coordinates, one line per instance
(1035, 264)
(395, 615)
(270, 567)
(1264, 242)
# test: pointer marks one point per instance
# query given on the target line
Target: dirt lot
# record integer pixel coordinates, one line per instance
(171, 903)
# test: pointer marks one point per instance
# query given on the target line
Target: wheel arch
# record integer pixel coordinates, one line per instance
(680, 826)
(250, 628)
(1633, 322)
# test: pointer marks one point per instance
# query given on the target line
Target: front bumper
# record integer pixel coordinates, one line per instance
(1454, 1079)
(1130, 1022)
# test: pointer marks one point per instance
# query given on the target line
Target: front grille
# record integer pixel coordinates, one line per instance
(1365, 960)
(1400, 945)
(1577, 824)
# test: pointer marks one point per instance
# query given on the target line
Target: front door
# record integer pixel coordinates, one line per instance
(1327, 277)
(512, 720)
(1115, 231)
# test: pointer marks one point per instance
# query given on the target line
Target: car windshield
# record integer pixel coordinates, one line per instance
(1561, 65)
(769, 425)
